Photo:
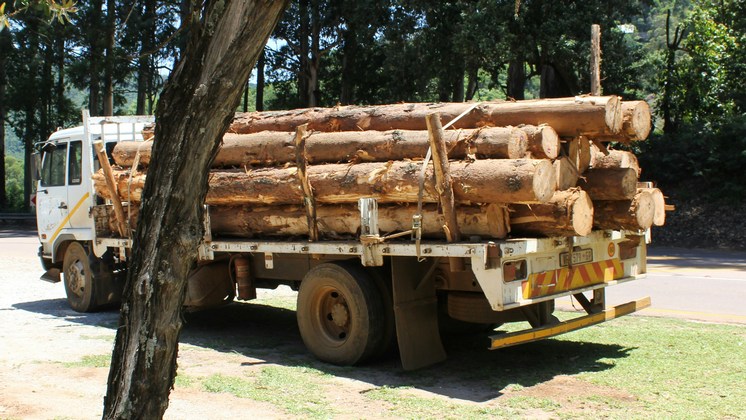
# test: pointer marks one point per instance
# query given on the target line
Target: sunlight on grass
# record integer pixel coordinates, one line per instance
(95, 361)
(405, 405)
(296, 390)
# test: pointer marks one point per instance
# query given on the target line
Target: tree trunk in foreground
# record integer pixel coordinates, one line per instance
(193, 113)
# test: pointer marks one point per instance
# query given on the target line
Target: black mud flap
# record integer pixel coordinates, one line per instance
(52, 275)
(416, 312)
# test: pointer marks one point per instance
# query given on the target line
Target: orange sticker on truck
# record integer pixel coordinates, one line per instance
(570, 278)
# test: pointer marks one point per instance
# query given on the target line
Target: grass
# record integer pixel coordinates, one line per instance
(93, 361)
(296, 390)
(402, 404)
(679, 369)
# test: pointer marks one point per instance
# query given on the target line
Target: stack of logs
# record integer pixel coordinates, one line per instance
(526, 168)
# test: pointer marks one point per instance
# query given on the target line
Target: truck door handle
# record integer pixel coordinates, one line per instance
(43, 191)
(62, 206)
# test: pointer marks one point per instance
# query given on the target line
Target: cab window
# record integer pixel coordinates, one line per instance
(74, 173)
(54, 165)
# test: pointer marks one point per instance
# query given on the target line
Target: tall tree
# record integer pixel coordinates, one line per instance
(192, 115)
(5, 49)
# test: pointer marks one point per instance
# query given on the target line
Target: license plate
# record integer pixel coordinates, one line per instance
(578, 257)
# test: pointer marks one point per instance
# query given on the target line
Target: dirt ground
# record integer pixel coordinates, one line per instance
(42, 344)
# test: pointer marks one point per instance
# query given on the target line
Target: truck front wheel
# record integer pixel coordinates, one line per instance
(341, 313)
(78, 277)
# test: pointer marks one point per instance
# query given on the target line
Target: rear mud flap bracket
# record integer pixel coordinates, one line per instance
(416, 312)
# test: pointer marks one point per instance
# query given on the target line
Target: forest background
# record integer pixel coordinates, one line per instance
(686, 58)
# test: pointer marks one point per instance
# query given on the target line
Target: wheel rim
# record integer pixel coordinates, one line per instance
(75, 277)
(332, 314)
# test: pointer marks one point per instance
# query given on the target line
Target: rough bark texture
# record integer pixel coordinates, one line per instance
(610, 184)
(277, 148)
(193, 113)
(543, 141)
(443, 185)
(482, 181)
(568, 213)
(570, 117)
(635, 214)
(636, 122)
(342, 221)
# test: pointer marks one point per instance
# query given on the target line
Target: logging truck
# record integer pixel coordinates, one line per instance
(359, 295)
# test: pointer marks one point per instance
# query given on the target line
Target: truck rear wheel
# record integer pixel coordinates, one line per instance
(78, 277)
(341, 313)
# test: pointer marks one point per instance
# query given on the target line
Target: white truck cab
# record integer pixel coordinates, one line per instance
(65, 195)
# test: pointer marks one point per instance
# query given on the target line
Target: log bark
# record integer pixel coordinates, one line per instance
(636, 214)
(616, 159)
(543, 141)
(568, 213)
(636, 123)
(481, 181)
(106, 171)
(342, 221)
(443, 185)
(610, 184)
(277, 148)
(595, 59)
(592, 116)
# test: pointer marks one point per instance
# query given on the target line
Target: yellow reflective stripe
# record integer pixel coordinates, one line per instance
(518, 337)
(69, 215)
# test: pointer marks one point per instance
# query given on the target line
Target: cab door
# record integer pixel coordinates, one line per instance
(51, 195)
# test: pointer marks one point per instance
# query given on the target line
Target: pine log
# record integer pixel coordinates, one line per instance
(636, 123)
(609, 184)
(616, 159)
(592, 116)
(659, 201)
(567, 173)
(277, 148)
(568, 213)
(343, 221)
(543, 141)
(636, 214)
(481, 181)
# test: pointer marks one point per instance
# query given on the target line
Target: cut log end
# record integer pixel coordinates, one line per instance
(582, 213)
(545, 180)
(543, 141)
(614, 118)
(637, 120)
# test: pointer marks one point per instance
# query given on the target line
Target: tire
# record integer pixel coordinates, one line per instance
(78, 279)
(382, 279)
(341, 313)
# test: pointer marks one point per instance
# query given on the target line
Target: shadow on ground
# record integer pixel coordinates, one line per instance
(471, 372)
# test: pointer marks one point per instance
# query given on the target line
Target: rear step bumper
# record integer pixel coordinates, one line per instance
(510, 339)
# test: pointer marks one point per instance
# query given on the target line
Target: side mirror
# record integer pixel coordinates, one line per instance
(35, 166)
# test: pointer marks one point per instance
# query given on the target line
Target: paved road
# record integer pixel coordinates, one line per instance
(693, 284)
